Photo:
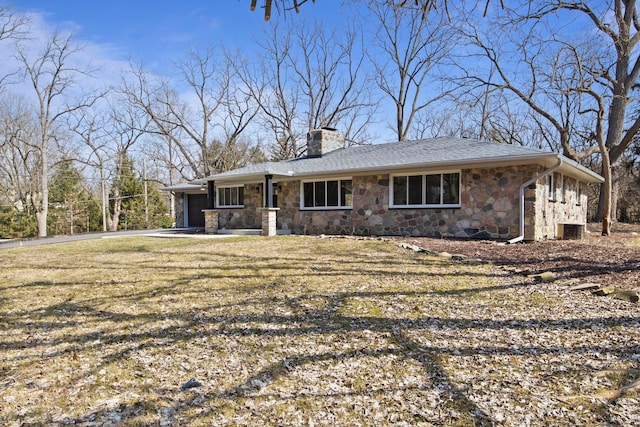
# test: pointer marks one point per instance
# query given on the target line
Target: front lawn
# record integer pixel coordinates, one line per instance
(302, 331)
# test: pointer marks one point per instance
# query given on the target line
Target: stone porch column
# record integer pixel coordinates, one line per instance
(269, 216)
(210, 221)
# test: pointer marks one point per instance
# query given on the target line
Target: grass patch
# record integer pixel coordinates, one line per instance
(634, 243)
(289, 331)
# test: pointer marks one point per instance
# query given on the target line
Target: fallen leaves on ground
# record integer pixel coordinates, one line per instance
(302, 331)
(608, 261)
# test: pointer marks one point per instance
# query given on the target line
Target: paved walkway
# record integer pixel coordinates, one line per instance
(161, 232)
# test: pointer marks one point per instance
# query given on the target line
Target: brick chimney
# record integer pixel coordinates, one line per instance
(322, 141)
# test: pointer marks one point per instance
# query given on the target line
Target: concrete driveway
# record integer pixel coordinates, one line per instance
(160, 232)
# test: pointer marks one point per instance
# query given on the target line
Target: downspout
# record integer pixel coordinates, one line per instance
(522, 188)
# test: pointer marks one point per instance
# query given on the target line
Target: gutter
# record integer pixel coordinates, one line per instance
(522, 188)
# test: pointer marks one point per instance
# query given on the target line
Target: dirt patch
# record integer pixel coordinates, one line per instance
(609, 261)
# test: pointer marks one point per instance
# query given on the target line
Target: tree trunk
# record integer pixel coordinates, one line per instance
(400, 122)
(613, 209)
(114, 220)
(43, 211)
(41, 222)
(615, 189)
(600, 211)
(607, 188)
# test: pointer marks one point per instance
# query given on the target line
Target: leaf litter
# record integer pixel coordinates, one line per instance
(302, 331)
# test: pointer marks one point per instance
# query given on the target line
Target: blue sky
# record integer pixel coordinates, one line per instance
(157, 31)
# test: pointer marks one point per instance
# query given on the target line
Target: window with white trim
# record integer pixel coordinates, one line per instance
(230, 197)
(329, 194)
(581, 192)
(431, 190)
(551, 190)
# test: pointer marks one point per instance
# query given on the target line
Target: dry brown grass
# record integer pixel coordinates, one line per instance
(299, 331)
(634, 243)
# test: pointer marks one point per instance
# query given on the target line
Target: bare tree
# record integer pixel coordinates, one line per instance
(110, 134)
(128, 126)
(155, 96)
(612, 89)
(309, 77)
(514, 124)
(151, 95)
(280, 5)
(570, 82)
(278, 100)
(13, 120)
(190, 123)
(410, 45)
(547, 84)
(329, 71)
(20, 165)
(424, 6)
(201, 73)
(53, 78)
(161, 152)
(89, 127)
(12, 26)
(239, 111)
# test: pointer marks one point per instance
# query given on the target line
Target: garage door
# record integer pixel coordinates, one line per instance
(195, 204)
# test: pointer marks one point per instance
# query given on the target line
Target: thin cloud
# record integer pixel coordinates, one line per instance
(103, 63)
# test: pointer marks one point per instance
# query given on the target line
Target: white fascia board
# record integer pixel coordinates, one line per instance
(576, 170)
(250, 178)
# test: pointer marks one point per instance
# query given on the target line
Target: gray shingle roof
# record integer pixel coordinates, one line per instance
(425, 153)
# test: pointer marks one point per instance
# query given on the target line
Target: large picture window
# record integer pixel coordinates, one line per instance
(330, 194)
(230, 197)
(426, 190)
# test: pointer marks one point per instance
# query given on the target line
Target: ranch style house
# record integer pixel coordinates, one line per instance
(439, 187)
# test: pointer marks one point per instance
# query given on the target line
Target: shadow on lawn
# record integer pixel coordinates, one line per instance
(306, 319)
(570, 266)
(317, 322)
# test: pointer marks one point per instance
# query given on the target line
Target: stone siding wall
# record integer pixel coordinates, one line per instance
(567, 206)
(247, 217)
(179, 207)
(489, 209)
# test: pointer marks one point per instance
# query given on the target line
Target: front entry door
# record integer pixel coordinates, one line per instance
(195, 204)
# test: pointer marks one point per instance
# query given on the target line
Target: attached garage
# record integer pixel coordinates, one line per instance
(189, 202)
